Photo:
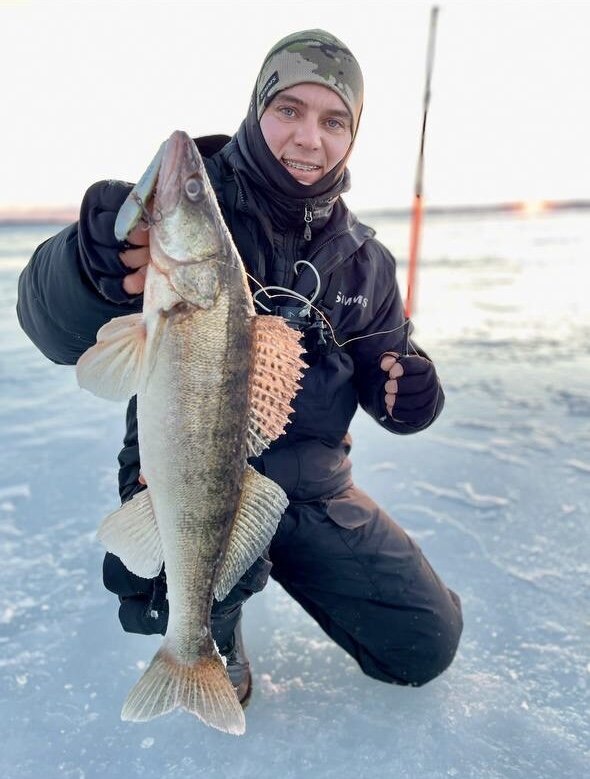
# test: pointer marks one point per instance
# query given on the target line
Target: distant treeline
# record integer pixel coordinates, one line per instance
(64, 217)
(545, 206)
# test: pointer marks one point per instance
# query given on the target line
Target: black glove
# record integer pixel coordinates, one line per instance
(99, 249)
(417, 391)
(144, 606)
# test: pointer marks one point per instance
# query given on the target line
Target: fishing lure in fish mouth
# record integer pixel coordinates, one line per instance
(134, 208)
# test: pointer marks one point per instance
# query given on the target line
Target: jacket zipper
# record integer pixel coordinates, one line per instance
(308, 219)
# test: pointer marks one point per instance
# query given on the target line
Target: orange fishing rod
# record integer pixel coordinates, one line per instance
(416, 224)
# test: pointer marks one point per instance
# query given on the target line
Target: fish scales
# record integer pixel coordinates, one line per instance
(205, 416)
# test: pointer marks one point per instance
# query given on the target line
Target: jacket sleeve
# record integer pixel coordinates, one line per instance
(72, 285)
(387, 334)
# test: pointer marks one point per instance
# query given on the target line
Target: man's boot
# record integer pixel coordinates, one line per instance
(238, 665)
(227, 632)
(226, 617)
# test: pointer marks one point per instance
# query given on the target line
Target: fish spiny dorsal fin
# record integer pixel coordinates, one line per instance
(276, 368)
(262, 504)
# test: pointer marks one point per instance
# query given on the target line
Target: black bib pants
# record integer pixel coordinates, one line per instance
(358, 574)
(344, 560)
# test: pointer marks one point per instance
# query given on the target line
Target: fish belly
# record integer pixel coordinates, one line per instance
(192, 418)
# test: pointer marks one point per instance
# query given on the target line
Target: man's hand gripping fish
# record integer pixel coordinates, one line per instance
(213, 383)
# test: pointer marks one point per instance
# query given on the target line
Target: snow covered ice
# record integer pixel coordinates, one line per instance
(496, 493)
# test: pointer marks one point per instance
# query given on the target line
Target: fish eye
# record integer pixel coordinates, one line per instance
(193, 188)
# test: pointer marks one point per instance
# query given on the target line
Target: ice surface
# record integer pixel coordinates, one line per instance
(496, 493)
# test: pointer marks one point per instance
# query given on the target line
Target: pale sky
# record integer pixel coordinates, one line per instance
(90, 89)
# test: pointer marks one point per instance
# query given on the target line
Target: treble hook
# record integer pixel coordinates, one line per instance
(149, 219)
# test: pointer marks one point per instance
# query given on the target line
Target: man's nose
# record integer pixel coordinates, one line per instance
(308, 134)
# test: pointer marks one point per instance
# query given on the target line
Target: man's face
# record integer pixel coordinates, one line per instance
(308, 129)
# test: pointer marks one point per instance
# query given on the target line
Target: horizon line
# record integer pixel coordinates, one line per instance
(31, 215)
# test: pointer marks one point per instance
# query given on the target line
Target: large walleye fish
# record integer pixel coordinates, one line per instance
(214, 384)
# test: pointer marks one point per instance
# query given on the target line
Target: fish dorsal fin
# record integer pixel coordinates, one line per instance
(112, 367)
(132, 534)
(277, 366)
(261, 506)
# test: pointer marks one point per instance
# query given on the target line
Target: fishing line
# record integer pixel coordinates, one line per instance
(306, 309)
(290, 293)
(284, 292)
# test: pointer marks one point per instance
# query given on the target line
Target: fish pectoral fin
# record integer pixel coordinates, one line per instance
(131, 533)
(261, 507)
(111, 368)
(203, 688)
(277, 367)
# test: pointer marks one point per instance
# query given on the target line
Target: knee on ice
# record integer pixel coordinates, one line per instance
(437, 645)
(422, 660)
(431, 663)
(434, 655)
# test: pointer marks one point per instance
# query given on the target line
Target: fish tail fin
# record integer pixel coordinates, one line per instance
(203, 688)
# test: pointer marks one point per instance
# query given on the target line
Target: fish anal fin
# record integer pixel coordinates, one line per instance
(203, 688)
(111, 368)
(261, 507)
(276, 369)
(131, 533)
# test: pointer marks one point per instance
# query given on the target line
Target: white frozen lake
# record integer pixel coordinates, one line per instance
(497, 493)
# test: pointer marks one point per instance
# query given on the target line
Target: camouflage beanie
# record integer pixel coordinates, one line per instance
(311, 56)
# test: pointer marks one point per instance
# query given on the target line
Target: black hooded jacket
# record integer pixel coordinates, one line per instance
(73, 285)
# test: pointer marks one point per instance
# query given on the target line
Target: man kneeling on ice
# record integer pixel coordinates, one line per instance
(278, 182)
